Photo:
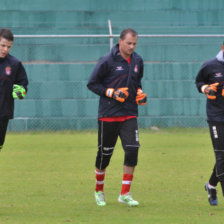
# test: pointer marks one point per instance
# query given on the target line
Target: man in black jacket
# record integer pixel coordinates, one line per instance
(13, 81)
(117, 80)
(210, 81)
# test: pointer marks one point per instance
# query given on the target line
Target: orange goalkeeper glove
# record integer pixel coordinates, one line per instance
(141, 97)
(223, 91)
(120, 94)
(210, 90)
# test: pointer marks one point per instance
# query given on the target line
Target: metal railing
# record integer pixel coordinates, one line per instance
(111, 36)
(152, 54)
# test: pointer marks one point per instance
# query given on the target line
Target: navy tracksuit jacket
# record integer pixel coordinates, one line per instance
(212, 71)
(11, 72)
(113, 71)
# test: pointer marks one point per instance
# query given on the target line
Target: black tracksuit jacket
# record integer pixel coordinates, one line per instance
(212, 71)
(113, 71)
(11, 72)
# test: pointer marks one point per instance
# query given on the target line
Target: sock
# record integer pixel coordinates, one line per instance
(126, 183)
(211, 186)
(99, 180)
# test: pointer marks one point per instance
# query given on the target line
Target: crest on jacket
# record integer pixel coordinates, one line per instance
(8, 70)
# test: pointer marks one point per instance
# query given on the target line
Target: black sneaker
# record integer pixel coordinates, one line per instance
(212, 198)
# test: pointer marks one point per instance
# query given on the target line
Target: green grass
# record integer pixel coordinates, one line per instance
(48, 178)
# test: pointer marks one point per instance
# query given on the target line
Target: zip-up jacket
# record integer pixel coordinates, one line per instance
(113, 71)
(11, 72)
(212, 71)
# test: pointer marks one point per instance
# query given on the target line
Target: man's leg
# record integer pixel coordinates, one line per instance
(99, 192)
(130, 142)
(213, 181)
(3, 129)
(217, 136)
(128, 172)
(210, 187)
(107, 137)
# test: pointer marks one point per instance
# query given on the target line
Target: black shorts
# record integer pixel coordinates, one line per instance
(217, 134)
(108, 133)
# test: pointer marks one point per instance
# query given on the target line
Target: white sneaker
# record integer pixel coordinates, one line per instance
(128, 200)
(100, 198)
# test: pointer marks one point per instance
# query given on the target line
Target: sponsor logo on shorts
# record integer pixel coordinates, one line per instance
(215, 133)
(108, 148)
(136, 136)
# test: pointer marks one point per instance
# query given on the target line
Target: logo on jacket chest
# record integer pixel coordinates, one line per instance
(119, 68)
(8, 70)
(218, 75)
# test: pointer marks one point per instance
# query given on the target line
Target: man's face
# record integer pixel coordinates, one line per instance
(5, 46)
(128, 45)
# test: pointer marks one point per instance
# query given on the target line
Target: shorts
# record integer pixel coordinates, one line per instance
(108, 133)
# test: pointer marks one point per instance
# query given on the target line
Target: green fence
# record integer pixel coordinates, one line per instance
(58, 68)
(58, 98)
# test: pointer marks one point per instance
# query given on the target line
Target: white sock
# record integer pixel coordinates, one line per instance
(210, 186)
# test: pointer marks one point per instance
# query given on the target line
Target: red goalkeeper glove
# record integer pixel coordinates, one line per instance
(141, 97)
(210, 90)
(120, 94)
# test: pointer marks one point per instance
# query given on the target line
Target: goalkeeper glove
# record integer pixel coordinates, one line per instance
(223, 91)
(121, 94)
(141, 97)
(210, 90)
(18, 92)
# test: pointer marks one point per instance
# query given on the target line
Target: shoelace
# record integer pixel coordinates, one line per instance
(101, 197)
(129, 198)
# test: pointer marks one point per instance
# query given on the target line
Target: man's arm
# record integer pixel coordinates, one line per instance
(95, 83)
(201, 78)
(21, 77)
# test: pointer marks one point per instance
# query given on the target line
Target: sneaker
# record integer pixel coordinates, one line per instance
(100, 199)
(212, 198)
(128, 200)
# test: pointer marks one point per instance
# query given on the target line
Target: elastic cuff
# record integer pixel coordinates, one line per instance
(109, 92)
(203, 88)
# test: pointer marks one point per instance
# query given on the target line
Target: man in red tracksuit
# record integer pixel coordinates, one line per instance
(117, 80)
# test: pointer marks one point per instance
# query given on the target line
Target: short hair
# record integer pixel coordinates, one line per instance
(126, 31)
(7, 34)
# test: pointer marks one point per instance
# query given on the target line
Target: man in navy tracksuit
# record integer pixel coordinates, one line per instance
(117, 80)
(13, 81)
(210, 81)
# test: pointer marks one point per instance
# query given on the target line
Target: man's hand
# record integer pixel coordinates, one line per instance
(141, 97)
(120, 94)
(210, 90)
(18, 92)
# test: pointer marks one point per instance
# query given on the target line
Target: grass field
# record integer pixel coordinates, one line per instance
(48, 178)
